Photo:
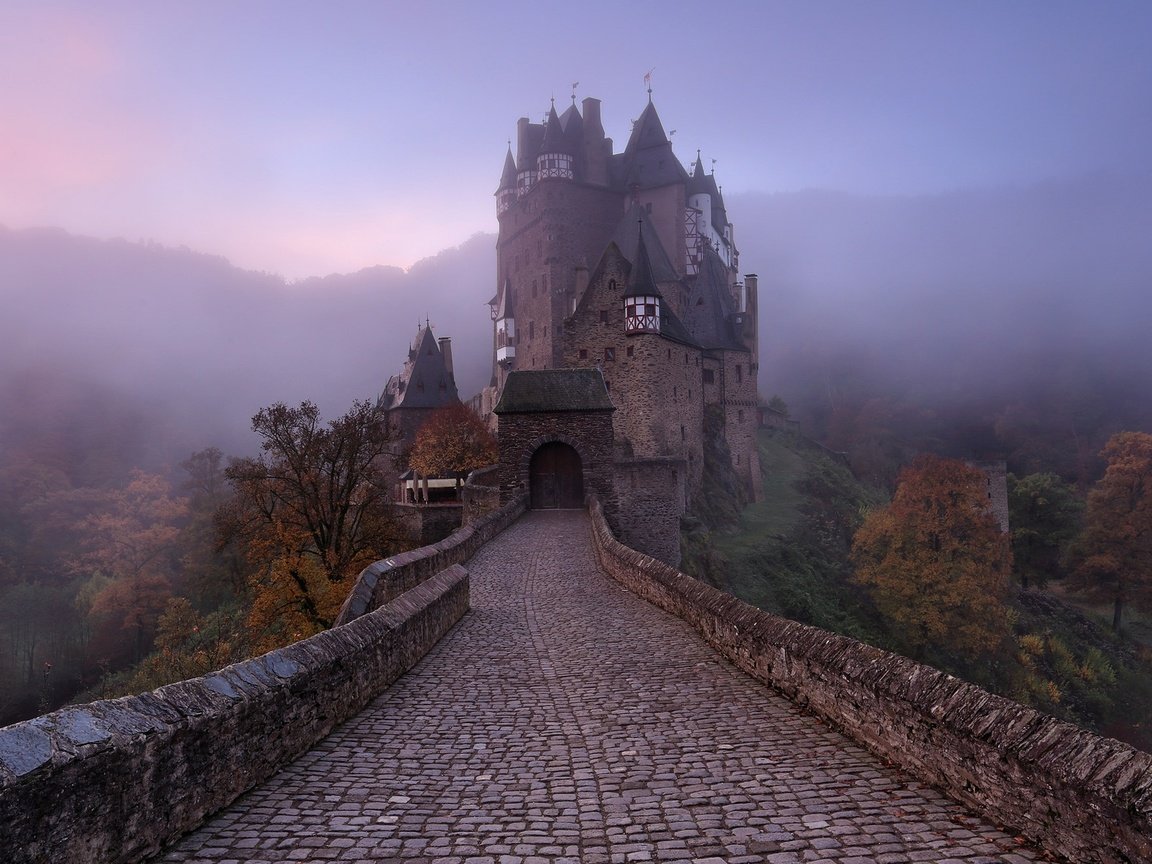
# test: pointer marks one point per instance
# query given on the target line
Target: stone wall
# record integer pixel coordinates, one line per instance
(381, 581)
(481, 493)
(589, 432)
(650, 497)
(1085, 798)
(426, 524)
(112, 781)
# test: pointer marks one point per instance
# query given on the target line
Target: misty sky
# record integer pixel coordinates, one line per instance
(307, 138)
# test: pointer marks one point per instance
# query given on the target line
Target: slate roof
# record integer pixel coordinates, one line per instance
(508, 176)
(627, 236)
(711, 307)
(424, 382)
(554, 390)
(503, 300)
(554, 139)
(701, 183)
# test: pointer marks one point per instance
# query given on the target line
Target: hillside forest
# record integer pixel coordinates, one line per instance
(135, 547)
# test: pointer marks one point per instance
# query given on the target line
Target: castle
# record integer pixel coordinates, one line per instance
(626, 263)
(624, 342)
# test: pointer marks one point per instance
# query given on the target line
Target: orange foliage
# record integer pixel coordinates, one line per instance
(935, 561)
(1114, 553)
(452, 442)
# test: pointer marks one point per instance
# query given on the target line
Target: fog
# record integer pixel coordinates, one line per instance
(952, 299)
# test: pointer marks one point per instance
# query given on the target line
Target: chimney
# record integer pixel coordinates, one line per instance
(446, 353)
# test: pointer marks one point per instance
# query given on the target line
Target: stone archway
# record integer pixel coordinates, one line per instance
(556, 477)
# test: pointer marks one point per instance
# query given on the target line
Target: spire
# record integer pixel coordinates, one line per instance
(554, 134)
(700, 183)
(508, 176)
(640, 281)
(648, 130)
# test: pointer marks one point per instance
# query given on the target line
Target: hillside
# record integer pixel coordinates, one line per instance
(789, 555)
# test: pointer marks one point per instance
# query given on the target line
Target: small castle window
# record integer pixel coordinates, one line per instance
(583, 353)
(609, 353)
(603, 316)
(685, 358)
(683, 434)
(740, 416)
(739, 373)
(531, 330)
(611, 284)
(631, 351)
(673, 394)
(709, 376)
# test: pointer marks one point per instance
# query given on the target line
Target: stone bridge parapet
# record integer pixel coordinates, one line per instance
(112, 781)
(1081, 796)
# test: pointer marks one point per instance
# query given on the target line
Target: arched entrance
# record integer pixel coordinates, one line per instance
(556, 478)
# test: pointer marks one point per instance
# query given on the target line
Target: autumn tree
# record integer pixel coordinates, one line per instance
(935, 562)
(1044, 513)
(311, 510)
(1112, 558)
(131, 541)
(452, 442)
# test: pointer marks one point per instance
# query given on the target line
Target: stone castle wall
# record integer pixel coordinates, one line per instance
(542, 238)
(740, 404)
(650, 496)
(1083, 797)
(654, 383)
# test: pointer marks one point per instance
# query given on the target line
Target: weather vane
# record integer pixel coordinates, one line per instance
(575, 84)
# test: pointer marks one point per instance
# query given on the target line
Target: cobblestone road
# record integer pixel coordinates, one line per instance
(563, 720)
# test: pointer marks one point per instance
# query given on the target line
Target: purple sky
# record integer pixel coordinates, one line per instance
(307, 138)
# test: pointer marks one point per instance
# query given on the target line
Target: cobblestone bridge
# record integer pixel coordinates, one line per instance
(564, 720)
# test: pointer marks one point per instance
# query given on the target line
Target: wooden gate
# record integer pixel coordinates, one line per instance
(556, 478)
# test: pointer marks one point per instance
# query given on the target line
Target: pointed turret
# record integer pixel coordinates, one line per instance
(648, 159)
(648, 131)
(506, 193)
(555, 159)
(641, 297)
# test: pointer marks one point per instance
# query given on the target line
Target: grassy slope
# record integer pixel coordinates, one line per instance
(789, 553)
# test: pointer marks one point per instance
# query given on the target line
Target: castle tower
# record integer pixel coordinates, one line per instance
(663, 314)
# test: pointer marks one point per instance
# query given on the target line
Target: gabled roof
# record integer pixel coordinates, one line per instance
(424, 382)
(554, 390)
(648, 160)
(671, 326)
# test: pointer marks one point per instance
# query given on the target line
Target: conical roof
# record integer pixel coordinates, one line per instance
(648, 131)
(554, 139)
(508, 176)
(640, 281)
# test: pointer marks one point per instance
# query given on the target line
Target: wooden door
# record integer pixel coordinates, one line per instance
(556, 478)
